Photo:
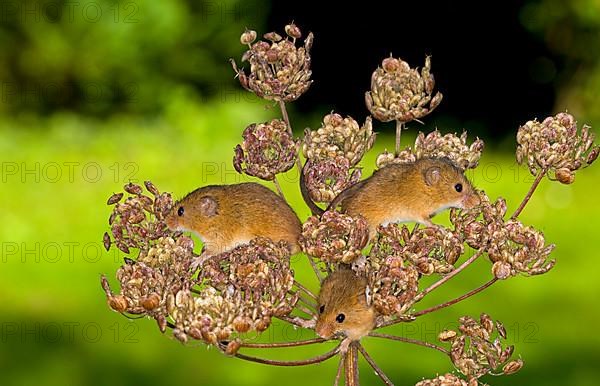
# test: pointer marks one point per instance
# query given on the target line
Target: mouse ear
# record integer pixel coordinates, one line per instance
(431, 175)
(208, 206)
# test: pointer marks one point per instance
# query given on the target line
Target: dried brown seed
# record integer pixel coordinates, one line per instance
(512, 367)
(233, 347)
(132, 188)
(118, 303)
(106, 240)
(150, 302)
(447, 335)
(565, 176)
(248, 37)
(114, 198)
(293, 31)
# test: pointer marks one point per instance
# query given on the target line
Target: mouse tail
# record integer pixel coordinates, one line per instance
(314, 208)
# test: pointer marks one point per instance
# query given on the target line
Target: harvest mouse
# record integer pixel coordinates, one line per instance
(408, 192)
(343, 308)
(225, 216)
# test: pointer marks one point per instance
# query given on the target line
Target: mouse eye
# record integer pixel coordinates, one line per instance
(458, 187)
(180, 211)
(321, 309)
(340, 318)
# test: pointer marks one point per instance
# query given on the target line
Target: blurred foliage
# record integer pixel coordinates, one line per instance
(571, 29)
(105, 56)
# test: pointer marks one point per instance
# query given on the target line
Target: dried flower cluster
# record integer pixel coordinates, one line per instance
(139, 220)
(278, 69)
(511, 246)
(339, 136)
(401, 93)
(335, 237)
(476, 349)
(555, 145)
(147, 283)
(332, 152)
(241, 291)
(328, 177)
(436, 145)
(267, 149)
(399, 258)
(447, 380)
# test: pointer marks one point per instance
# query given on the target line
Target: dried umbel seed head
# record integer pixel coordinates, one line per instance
(430, 249)
(162, 270)
(260, 269)
(401, 93)
(482, 224)
(523, 248)
(436, 145)
(326, 178)
(267, 149)
(335, 238)
(339, 136)
(138, 222)
(278, 69)
(556, 145)
(477, 349)
(446, 380)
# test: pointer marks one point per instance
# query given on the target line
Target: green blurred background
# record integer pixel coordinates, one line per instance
(98, 93)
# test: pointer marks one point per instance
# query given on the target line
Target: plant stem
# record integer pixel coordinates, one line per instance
(448, 276)
(309, 302)
(338, 375)
(304, 362)
(435, 285)
(286, 119)
(454, 301)
(532, 189)
(351, 365)
(297, 321)
(306, 290)
(284, 344)
(315, 269)
(278, 187)
(378, 370)
(409, 340)
(399, 127)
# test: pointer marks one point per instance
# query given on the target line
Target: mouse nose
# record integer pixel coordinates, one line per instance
(324, 330)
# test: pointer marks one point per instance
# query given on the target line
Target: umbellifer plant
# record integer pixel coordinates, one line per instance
(242, 290)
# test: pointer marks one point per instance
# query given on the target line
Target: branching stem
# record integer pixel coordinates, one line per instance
(377, 369)
(304, 362)
(399, 127)
(456, 300)
(284, 344)
(409, 340)
(532, 189)
(351, 365)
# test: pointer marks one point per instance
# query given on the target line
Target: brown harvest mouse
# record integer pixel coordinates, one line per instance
(343, 308)
(225, 216)
(410, 192)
